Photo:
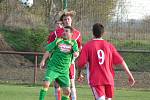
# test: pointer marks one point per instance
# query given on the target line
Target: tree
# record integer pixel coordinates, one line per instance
(91, 11)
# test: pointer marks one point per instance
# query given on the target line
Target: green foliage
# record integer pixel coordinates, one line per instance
(137, 61)
(25, 39)
(132, 44)
(37, 37)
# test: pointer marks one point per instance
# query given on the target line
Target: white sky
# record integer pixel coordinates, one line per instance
(138, 8)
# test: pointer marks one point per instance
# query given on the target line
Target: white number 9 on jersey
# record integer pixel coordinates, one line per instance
(101, 56)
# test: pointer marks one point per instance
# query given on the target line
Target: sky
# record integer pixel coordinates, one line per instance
(137, 9)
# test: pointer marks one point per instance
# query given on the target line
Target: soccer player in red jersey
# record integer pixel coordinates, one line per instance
(66, 18)
(58, 29)
(100, 56)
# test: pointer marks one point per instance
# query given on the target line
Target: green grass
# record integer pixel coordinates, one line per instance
(125, 94)
(24, 92)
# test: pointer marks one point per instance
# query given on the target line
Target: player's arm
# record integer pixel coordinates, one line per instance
(49, 49)
(75, 50)
(81, 62)
(51, 37)
(47, 54)
(130, 76)
(80, 76)
(117, 59)
(79, 41)
(42, 63)
(75, 55)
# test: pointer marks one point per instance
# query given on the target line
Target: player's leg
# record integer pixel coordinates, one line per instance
(72, 81)
(43, 91)
(57, 91)
(109, 91)
(108, 98)
(66, 93)
(98, 92)
(49, 77)
(73, 89)
(64, 82)
(101, 98)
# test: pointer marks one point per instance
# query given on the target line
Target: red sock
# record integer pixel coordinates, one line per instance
(58, 93)
(70, 97)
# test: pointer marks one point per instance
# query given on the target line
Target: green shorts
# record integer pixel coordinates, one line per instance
(62, 79)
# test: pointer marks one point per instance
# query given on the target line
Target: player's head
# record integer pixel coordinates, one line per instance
(58, 24)
(98, 30)
(68, 30)
(66, 18)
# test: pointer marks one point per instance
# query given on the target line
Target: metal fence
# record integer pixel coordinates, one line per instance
(20, 70)
(130, 35)
(26, 72)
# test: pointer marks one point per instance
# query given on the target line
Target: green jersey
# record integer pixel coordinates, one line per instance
(62, 53)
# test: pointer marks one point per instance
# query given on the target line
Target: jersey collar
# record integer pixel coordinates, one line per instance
(98, 38)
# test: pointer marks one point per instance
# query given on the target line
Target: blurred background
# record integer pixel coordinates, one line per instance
(26, 29)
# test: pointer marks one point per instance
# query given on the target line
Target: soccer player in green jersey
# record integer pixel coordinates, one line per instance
(64, 50)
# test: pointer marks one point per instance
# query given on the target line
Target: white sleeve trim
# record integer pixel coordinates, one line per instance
(55, 34)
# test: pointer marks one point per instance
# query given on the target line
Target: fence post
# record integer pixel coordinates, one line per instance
(35, 67)
(65, 4)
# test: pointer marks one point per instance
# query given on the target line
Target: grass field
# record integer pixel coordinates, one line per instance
(24, 92)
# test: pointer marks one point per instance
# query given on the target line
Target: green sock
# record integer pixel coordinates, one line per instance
(42, 94)
(65, 97)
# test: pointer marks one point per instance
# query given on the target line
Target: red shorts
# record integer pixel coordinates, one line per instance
(72, 71)
(103, 90)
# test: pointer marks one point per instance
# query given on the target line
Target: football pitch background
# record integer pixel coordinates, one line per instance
(131, 34)
(26, 92)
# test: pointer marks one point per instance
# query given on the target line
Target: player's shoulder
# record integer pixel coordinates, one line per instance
(59, 30)
(51, 33)
(111, 45)
(58, 40)
(88, 43)
(107, 43)
(76, 31)
(96, 41)
(73, 42)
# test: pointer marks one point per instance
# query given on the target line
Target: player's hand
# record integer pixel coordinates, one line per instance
(42, 65)
(80, 78)
(131, 81)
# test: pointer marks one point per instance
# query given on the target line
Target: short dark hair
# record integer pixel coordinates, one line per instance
(98, 30)
(69, 27)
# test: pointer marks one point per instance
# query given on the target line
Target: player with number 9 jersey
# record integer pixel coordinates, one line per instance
(101, 56)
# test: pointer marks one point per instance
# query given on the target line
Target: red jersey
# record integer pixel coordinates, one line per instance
(53, 35)
(59, 33)
(101, 56)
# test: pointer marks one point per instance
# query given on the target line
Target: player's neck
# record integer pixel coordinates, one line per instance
(66, 38)
(97, 38)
